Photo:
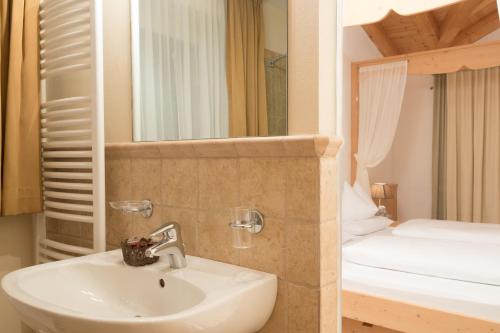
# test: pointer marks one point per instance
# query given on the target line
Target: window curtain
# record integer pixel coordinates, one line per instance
(381, 91)
(471, 171)
(439, 148)
(246, 75)
(182, 69)
(20, 123)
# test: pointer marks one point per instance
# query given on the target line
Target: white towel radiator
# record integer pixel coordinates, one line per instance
(72, 122)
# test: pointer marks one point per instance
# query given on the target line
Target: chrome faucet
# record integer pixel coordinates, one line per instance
(170, 244)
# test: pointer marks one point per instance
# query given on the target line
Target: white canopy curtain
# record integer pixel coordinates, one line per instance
(183, 92)
(359, 12)
(381, 90)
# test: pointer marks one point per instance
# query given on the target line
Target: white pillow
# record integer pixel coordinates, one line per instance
(362, 193)
(346, 237)
(355, 208)
(367, 226)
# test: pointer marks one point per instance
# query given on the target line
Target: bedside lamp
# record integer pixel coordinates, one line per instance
(381, 191)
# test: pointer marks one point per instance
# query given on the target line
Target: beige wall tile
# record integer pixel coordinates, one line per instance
(328, 189)
(188, 221)
(179, 183)
(216, 148)
(146, 180)
(118, 227)
(300, 146)
(215, 236)
(278, 323)
(68, 228)
(218, 183)
(302, 253)
(52, 226)
(144, 150)
(70, 240)
(196, 183)
(267, 253)
(328, 309)
(143, 226)
(176, 149)
(87, 231)
(262, 185)
(262, 147)
(328, 252)
(118, 180)
(302, 189)
(303, 309)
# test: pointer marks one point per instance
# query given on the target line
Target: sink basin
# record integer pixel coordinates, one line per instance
(100, 294)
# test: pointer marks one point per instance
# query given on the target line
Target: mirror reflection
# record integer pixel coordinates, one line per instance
(209, 68)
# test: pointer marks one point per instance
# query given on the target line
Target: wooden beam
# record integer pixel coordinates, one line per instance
(455, 21)
(381, 40)
(428, 28)
(478, 30)
(409, 318)
(448, 60)
(354, 119)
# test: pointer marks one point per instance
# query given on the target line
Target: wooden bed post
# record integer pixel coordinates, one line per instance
(354, 118)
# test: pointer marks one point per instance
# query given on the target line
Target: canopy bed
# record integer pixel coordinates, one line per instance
(399, 301)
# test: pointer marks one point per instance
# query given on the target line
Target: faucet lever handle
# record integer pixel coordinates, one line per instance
(166, 230)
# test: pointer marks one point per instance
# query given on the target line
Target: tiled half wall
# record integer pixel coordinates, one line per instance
(291, 180)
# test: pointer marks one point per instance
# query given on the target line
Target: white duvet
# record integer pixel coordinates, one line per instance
(450, 230)
(472, 262)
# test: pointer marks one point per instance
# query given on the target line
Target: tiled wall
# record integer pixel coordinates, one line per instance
(291, 180)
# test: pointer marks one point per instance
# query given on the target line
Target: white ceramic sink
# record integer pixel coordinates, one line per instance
(100, 294)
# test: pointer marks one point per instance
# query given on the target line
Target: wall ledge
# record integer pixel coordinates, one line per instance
(281, 146)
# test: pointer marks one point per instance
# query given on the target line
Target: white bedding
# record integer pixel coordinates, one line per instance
(469, 299)
(450, 230)
(472, 262)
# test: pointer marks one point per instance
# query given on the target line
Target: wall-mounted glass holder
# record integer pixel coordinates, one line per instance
(245, 222)
(143, 207)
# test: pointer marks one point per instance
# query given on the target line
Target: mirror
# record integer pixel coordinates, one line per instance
(209, 68)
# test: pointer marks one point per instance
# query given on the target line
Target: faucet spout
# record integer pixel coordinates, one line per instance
(171, 244)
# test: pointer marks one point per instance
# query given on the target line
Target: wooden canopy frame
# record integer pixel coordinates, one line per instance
(448, 60)
(391, 316)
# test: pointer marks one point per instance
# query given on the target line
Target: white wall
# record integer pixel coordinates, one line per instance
(409, 163)
(16, 251)
(275, 25)
(117, 71)
(357, 46)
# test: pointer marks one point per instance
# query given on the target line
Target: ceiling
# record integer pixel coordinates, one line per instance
(458, 24)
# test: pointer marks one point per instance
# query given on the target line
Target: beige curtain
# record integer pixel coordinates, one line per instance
(439, 149)
(20, 131)
(246, 78)
(472, 146)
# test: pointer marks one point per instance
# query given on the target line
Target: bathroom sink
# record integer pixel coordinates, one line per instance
(100, 294)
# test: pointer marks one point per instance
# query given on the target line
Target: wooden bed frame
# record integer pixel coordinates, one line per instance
(368, 314)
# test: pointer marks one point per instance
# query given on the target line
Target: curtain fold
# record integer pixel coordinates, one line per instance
(471, 144)
(182, 69)
(246, 69)
(381, 91)
(439, 148)
(20, 131)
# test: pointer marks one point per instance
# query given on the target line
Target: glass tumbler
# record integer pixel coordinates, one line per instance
(241, 222)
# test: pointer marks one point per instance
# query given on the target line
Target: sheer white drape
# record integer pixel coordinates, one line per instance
(381, 90)
(183, 92)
